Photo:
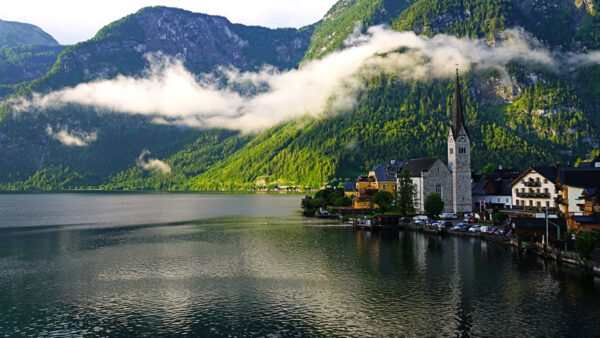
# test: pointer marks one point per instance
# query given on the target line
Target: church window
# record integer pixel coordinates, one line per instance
(438, 190)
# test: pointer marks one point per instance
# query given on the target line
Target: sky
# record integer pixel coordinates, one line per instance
(72, 21)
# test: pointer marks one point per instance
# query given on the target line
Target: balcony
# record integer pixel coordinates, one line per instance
(532, 184)
(560, 200)
(533, 194)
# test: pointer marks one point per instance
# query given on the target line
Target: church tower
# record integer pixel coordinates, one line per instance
(459, 156)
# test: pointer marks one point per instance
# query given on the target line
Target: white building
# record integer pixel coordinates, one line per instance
(535, 189)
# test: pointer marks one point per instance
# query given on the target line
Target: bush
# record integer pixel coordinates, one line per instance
(434, 205)
(383, 199)
(586, 242)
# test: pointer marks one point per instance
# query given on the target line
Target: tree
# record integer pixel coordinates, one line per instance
(488, 168)
(383, 199)
(405, 194)
(434, 205)
(586, 242)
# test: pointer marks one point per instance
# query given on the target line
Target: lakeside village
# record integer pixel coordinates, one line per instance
(553, 211)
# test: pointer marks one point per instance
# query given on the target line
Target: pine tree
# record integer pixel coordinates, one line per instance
(405, 194)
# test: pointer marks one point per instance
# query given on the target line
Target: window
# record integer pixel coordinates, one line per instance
(546, 190)
(518, 202)
(438, 190)
(451, 151)
(383, 186)
(530, 203)
(539, 204)
(545, 180)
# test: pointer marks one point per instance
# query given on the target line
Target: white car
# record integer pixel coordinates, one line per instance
(449, 215)
(475, 228)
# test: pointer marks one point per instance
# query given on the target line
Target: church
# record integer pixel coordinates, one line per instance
(430, 175)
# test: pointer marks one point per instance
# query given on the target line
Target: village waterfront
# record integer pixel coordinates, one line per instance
(251, 265)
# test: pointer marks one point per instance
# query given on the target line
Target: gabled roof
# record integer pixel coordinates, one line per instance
(589, 163)
(502, 186)
(479, 188)
(387, 171)
(549, 172)
(416, 166)
(580, 177)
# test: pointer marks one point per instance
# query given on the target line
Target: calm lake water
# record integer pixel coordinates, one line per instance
(250, 265)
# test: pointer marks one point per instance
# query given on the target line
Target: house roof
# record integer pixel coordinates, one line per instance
(387, 171)
(416, 166)
(478, 188)
(502, 186)
(349, 186)
(548, 172)
(586, 219)
(589, 163)
(497, 187)
(580, 177)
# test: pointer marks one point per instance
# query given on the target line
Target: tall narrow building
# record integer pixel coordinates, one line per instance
(459, 156)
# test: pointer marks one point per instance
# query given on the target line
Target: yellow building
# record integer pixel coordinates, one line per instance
(381, 178)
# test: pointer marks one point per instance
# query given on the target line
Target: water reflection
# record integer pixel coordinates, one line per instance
(284, 276)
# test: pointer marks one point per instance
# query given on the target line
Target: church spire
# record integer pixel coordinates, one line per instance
(458, 118)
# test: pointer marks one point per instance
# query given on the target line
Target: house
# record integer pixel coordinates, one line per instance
(349, 189)
(491, 194)
(535, 190)
(381, 178)
(579, 200)
(534, 229)
(591, 163)
(430, 175)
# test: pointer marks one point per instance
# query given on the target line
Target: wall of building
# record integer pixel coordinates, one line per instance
(489, 199)
(545, 186)
(572, 195)
(437, 175)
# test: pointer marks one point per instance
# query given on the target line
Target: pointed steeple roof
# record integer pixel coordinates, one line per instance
(458, 118)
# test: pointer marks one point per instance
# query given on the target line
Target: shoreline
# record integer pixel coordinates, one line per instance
(549, 254)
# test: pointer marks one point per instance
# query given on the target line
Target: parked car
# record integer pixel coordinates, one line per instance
(492, 230)
(475, 228)
(448, 215)
(465, 227)
(484, 229)
(457, 227)
(499, 231)
(472, 220)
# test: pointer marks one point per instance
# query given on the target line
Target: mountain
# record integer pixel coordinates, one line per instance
(29, 142)
(203, 42)
(542, 116)
(25, 63)
(20, 34)
(342, 18)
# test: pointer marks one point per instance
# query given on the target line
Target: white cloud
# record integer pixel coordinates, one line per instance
(71, 21)
(72, 138)
(144, 161)
(172, 95)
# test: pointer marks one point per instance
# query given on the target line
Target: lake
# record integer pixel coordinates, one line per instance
(251, 265)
